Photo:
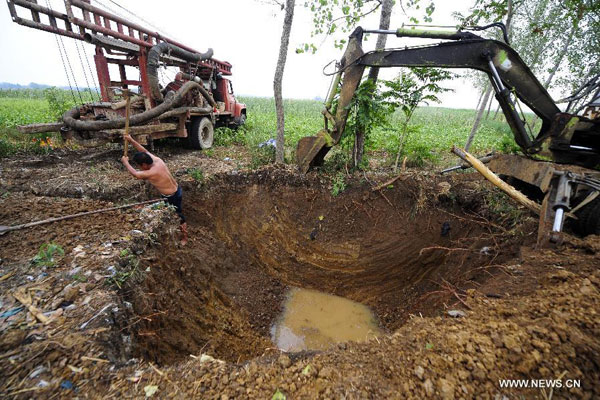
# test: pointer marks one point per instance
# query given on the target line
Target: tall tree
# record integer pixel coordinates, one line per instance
(488, 88)
(277, 80)
(384, 24)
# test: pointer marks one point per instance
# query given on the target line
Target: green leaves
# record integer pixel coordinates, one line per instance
(336, 16)
(47, 254)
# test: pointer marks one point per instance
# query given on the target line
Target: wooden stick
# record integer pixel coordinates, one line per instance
(127, 112)
(386, 183)
(3, 230)
(32, 309)
(40, 128)
(492, 177)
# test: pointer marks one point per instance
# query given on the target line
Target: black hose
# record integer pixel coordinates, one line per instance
(154, 62)
(71, 117)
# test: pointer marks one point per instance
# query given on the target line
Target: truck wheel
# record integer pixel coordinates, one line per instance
(241, 120)
(201, 133)
(589, 218)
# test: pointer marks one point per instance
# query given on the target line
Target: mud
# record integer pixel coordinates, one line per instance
(314, 320)
(130, 308)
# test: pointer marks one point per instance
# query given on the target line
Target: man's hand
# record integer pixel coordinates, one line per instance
(135, 144)
(125, 160)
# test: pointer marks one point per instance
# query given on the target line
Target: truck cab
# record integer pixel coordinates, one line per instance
(231, 112)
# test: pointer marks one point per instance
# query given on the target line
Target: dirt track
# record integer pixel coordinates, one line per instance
(529, 314)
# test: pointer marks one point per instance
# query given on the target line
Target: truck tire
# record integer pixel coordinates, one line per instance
(589, 219)
(239, 121)
(201, 133)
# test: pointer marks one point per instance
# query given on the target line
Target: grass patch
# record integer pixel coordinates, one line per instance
(437, 128)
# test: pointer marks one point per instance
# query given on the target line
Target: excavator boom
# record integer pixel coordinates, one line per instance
(562, 137)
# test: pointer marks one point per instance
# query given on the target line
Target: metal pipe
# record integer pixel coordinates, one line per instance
(111, 43)
(88, 7)
(44, 10)
(333, 91)
(496, 75)
(433, 34)
(581, 148)
(154, 62)
(558, 219)
(95, 10)
(99, 28)
(71, 117)
(47, 28)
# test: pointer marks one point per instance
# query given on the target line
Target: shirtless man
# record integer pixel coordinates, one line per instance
(155, 171)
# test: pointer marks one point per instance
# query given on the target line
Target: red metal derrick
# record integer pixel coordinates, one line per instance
(113, 35)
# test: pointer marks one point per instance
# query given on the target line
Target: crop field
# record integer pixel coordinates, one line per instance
(433, 129)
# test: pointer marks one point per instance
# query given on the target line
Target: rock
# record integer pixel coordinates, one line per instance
(57, 303)
(12, 339)
(587, 289)
(561, 276)
(428, 386)
(284, 361)
(70, 293)
(446, 388)
(457, 313)
(511, 343)
(419, 372)
(526, 365)
(326, 372)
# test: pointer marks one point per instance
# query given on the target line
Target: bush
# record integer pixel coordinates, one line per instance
(46, 255)
(227, 137)
(7, 148)
(196, 174)
(262, 156)
(339, 184)
(418, 154)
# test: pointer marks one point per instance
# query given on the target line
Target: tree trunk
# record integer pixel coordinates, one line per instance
(384, 24)
(561, 55)
(489, 108)
(488, 89)
(283, 49)
(486, 96)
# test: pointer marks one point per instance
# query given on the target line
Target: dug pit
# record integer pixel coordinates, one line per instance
(403, 251)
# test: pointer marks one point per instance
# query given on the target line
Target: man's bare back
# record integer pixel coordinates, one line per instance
(160, 177)
(155, 171)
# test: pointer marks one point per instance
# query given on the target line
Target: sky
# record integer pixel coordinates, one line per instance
(244, 32)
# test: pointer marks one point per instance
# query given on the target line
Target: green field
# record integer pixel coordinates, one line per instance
(435, 129)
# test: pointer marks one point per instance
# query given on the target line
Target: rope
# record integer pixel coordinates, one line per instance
(87, 60)
(66, 56)
(63, 62)
(87, 83)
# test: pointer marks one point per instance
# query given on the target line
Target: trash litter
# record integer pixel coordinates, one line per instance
(457, 313)
(66, 385)
(270, 142)
(12, 312)
(150, 390)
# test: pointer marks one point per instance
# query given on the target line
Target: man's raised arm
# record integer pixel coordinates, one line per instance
(133, 171)
(135, 144)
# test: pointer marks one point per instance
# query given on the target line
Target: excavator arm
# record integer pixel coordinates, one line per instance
(562, 137)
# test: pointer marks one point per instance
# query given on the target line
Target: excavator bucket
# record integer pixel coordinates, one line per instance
(311, 150)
